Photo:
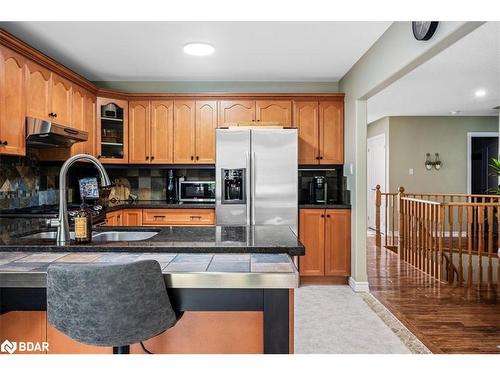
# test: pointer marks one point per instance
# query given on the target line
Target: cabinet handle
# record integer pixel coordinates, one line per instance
(152, 157)
(99, 156)
(195, 217)
(147, 157)
(322, 215)
(159, 216)
(192, 157)
(55, 114)
(5, 143)
(197, 158)
(327, 215)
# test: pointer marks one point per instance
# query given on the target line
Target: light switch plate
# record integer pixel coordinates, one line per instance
(410, 171)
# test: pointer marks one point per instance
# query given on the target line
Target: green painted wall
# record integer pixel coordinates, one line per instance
(219, 86)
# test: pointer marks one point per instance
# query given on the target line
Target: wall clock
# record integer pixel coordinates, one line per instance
(424, 30)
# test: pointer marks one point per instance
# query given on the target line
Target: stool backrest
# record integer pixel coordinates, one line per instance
(108, 304)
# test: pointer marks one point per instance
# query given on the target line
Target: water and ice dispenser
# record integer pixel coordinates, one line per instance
(233, 186)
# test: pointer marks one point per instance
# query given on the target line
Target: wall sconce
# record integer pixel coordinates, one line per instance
(429, 163)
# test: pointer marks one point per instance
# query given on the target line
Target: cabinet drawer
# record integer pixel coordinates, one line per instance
(180, 216)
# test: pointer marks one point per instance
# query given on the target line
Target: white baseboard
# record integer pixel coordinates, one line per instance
(359, 286)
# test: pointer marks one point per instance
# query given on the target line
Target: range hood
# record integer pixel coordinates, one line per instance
(46, 134)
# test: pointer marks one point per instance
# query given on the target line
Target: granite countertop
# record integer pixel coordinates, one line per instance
(29, 269)
(216, 239)
(156, 204)
(325, 206)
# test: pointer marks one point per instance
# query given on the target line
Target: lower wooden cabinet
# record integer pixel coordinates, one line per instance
(326, 234)
(136, 217)
(178, 216)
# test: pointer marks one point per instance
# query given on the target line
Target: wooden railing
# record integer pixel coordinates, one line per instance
(452, 237)
(387, 204)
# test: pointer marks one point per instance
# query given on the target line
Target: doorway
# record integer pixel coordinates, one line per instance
(376, 175)
(481, 148)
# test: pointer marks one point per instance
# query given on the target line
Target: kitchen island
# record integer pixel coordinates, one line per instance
(236, 293)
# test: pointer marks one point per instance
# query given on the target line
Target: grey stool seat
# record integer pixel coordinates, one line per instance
(109, 304)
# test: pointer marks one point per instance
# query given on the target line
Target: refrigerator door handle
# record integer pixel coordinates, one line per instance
(248, 188)
(252, 193)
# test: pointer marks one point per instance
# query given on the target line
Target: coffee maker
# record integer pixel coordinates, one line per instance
(318, 190)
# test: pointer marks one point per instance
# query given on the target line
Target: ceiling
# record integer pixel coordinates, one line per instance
(245, 51)
(448, 81)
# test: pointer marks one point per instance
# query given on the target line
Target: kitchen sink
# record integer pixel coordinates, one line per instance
(98, 236)
(123, 236)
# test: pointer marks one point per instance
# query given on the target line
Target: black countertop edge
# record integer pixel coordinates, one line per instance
(327, 206)
(156, 204)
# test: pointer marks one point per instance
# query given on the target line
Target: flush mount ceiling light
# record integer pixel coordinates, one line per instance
(454, 112)
(199, 49)
(480, 93)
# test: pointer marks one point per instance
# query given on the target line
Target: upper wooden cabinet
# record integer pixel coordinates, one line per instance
(326, 236)
(206, 123)
(184, 131)
(38, 84)
(112, 131)
(12, 103)
(331, 132)
(321, 131)
(233, 111)
(61, 100)
(139, 128)
(194, 131)
(279, 111)
(162, 131)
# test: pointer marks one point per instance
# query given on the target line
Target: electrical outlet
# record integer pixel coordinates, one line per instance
(410, 171)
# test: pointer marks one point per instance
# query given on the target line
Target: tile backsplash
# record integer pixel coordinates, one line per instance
(24, 181)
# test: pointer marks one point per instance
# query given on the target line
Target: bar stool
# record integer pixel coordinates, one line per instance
(109, 304)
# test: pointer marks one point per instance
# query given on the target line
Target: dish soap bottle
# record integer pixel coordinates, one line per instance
(83, 225)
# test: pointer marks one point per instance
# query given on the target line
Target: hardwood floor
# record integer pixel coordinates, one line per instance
(447, 319)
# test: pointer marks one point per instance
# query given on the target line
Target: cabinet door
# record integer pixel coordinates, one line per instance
(279, 111)
(162, 132)
(61, 103)
(89, 123)
(184, 131)
(233, 111)
(312, 234)
(306, 120)
(206, 123)
(37, 91)
(112, 134)
(331, 132)
(338, 243)
(132, 217)
(12, 103)
(138, 125)
(78, 118)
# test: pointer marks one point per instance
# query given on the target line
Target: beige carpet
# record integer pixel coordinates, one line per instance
(334, 319)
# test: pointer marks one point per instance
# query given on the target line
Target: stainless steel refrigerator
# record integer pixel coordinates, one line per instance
(256, 177)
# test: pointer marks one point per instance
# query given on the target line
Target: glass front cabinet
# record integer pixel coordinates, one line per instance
(112, 135)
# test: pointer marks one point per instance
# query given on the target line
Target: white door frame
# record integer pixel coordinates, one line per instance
(386, 169)
(470, 135)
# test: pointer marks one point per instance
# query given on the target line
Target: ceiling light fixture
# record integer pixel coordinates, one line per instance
(454, 112)
(480, 93)
(199, 49)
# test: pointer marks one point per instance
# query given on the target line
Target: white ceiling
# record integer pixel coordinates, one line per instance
(245, 51)
(448, 81)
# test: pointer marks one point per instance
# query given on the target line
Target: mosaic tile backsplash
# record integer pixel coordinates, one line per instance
(24, 181)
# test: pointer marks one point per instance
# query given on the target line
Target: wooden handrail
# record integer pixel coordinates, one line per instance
(455, 238)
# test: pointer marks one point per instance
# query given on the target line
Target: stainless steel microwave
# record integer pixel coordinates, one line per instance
(196, 191)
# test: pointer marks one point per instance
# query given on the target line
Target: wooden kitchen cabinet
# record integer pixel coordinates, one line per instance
(61, 99)
(114, 218)
(206, 123)
(132, 217)
(312, 235)
(279, 111)
(233, 111)
(38, 86)
(321, 131)
(112, 133)
(26, 326)
(139, 129)
(326, 236)
(162, 132)
(178, 216)
(184, 131)
(331, 132)
(12, 103)
(306, 119)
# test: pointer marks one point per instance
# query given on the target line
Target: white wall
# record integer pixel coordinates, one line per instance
(395, 54)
